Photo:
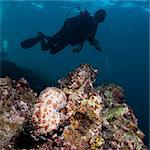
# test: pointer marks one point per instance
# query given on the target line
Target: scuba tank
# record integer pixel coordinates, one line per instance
(81, 12)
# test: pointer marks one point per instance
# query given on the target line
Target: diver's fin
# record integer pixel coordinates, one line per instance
(31, 42)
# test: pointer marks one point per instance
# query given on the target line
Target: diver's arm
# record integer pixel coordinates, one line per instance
(91, 37)
(78, 48)
(96, 44)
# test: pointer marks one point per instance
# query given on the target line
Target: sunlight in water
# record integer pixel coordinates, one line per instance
(92, 5)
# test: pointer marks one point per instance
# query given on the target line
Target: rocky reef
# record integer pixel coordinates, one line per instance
(16, 101)
(74, 116)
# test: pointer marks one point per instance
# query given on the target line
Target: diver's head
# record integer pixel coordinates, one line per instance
(100, 15)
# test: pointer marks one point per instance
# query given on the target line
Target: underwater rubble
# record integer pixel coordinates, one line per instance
(74, 116)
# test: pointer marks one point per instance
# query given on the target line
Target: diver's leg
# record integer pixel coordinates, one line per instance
(46, 43)
(49, 42)
(59, 41)
(57, 47)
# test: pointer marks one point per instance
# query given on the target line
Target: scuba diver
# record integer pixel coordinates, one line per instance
(75, 31)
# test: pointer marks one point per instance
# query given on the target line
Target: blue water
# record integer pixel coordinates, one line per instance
(123, 36)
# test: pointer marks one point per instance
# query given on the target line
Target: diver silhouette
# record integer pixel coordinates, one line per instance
(75, 31)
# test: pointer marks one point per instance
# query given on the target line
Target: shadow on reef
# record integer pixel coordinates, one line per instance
(24, 139)
(36, 80)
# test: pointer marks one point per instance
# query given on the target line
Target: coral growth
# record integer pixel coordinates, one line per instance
(119, 127)
(46, 116)
(78, 116)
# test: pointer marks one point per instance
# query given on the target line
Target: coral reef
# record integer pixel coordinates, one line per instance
(74, 116)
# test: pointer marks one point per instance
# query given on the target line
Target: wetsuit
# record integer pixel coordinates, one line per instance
(74, 32)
